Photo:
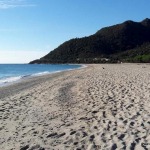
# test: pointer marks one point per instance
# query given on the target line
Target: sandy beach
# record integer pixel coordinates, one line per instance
(100, 107)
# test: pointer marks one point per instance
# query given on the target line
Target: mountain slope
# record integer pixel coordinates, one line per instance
(105, 43)
(138, 54)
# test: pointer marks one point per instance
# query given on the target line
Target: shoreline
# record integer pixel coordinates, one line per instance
(30, 81)
(30, 76)
(102, 106)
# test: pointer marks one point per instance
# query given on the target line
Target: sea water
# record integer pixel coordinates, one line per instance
(13, 72)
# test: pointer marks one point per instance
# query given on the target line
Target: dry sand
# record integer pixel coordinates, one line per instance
(99, 107)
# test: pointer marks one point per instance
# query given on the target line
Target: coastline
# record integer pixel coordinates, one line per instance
(29, 81)
(16, 79)
(102, 106)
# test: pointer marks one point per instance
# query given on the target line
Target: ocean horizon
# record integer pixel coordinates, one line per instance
(10, 73)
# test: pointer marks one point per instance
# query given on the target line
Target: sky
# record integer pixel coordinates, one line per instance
(29, 29)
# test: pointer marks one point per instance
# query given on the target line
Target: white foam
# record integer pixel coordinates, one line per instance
(40, 73)
(9, 80)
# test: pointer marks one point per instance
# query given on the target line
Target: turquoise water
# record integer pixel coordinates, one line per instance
(13, 72)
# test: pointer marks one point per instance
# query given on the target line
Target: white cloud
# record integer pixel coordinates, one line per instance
(6, 4)
(20, 56)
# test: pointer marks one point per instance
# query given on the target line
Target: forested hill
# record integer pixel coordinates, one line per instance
(128, 42)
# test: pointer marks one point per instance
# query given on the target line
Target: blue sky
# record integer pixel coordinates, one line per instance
(30, 29)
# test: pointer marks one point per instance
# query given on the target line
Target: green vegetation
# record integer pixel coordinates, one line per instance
(126, 42)
(138, 54)
(142, 58)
